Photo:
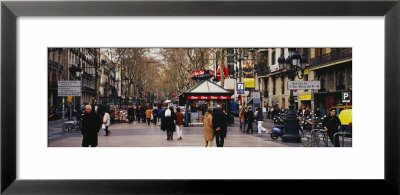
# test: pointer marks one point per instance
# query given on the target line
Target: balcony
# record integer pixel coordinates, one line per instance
(55, 65)
(88, 89)
(73, 68)
(88, 76)
(339, 55)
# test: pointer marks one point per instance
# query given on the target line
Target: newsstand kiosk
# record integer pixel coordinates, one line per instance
(206, 94)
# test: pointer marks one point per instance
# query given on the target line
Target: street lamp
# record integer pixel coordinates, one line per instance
(78, 75)
(292, 65)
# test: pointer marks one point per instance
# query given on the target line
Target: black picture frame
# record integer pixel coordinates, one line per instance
(10, 10)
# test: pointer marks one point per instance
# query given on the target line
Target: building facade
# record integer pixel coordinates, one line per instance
(72, 64)
(331, 66)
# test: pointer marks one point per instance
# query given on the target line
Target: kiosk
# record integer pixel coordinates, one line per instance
(205, 95)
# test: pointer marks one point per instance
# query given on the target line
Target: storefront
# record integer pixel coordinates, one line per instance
(205, 95)
(325, 101)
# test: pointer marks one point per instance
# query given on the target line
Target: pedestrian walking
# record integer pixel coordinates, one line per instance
(179, 123)
(244, 119)
(148, 115)
(161, 114)
(208, 128)
(241, 115)
(130, 113)
(249, 116)
(155, 113)
(264, 111)
(138, 109)
(90, 127)
(143, 114)
(332, 125)
(169, 119)
(219, 121)
(260, 118)
(318, 113)
(106, 123)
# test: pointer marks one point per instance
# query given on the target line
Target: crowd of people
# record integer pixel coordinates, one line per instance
(247, 117)
(169, 119)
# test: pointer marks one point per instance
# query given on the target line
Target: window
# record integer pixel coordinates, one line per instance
(322, 79)
(273, 86)
(349, 77)
(283, 85)
(331, 81)
(306, 53)
(340, 80)
(273, 58)
(320, 52)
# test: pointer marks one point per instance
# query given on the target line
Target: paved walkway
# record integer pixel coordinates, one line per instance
(141, 135)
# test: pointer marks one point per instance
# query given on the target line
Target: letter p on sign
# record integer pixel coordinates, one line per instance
(346, 97)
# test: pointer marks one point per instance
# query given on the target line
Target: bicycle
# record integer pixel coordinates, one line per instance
(316, 135)
(72, 126)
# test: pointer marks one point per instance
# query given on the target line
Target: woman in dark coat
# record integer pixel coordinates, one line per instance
(169, 122)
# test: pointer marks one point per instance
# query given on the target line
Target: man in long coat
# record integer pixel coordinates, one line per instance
(220, 121)
(91, 124)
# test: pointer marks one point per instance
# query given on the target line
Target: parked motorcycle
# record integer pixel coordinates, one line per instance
(277, 131)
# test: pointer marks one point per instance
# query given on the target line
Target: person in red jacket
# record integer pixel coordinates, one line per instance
(179, 123)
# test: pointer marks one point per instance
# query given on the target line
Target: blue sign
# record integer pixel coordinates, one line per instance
(240, 88)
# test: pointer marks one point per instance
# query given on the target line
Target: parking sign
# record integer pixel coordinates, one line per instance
(240, 88)
(346, 97)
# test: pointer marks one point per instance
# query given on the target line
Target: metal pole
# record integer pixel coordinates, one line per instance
(70, 110)
(312, 105)
(291, 130)
(62, 116)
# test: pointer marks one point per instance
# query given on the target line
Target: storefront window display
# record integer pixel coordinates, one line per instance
(198, 108)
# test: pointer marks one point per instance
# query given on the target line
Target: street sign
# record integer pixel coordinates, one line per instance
(346, 96)
(69, 88)
(255, 95)
(240, 88)
(304, 85)
(69, 91)
(69, 83)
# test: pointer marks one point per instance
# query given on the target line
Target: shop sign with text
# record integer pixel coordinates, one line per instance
(209, 97)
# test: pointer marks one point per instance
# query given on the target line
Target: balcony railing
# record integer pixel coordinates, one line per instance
(55, 65)
(89, 89)
(341, 54)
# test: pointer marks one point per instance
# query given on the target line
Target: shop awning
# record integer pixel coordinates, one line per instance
(207, 87)
(254, 101)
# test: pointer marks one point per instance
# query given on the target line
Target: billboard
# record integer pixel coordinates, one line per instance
(248, 68)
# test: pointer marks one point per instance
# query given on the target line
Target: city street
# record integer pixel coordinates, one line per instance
(142, 135)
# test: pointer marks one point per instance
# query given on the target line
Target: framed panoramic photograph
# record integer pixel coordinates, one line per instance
(125, 97)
